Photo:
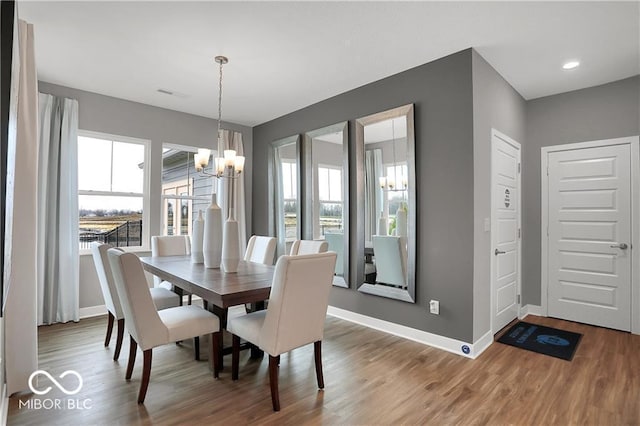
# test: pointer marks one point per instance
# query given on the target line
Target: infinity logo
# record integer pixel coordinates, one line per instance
(55, 382)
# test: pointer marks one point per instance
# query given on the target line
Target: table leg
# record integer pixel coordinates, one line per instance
(222, 314)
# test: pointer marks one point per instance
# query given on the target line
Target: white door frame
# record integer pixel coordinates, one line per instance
(494, 227)
(634, 142)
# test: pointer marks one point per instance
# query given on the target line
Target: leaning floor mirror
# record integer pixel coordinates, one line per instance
(326, 205)
(284, 205)
(386, 247)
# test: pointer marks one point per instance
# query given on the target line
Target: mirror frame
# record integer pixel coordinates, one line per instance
(308, 190)
(275, 210)
(408, 295)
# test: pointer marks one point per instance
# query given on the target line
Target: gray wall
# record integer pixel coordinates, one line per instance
(115, 116)
(495, 105)
(602, 112)
(442, 94)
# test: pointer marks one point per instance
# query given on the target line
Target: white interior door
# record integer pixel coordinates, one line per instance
(505, 234)
(589, 236)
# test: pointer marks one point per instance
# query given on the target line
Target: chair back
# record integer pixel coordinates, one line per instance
(298, 302)
(169, 245)
(335, 243)
(391, 260)
(140, 314)
(300, 247)
(260, 250)
(107, 284)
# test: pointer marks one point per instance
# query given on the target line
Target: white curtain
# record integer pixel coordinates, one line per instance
(58, 261)
(21, 333)
(373, 196)
(233, 140)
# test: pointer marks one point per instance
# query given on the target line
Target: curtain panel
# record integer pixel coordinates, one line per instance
(58, 246)
(233, 140)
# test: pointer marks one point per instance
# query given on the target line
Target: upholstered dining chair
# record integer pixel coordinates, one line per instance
(295, 316)
(170, 245)
(260, 250)
(335, 242)
(391, 260)
(150, 328)
(308, 247)
(162, 298)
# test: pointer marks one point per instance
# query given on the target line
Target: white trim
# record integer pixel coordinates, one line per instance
(93, 311)
(4, 405)
(634, 142)
(441, 342)
(496, 134)
(531, 310)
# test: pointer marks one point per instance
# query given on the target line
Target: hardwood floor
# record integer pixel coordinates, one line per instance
(370, 378)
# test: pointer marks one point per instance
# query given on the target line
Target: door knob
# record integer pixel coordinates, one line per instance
(497, 252)
(621, 246)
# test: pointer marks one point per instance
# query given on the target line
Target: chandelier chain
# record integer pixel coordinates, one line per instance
(219, 108)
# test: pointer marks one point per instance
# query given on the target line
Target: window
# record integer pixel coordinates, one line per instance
(329, 198)
(112, 189)
(398, 195)
(290, 198)
(184, 192)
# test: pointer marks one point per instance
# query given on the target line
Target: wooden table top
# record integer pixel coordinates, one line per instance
(252, 282)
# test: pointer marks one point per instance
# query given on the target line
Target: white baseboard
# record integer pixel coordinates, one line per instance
(4, 407)
(445, 343)
(93, 311)
(531, 310)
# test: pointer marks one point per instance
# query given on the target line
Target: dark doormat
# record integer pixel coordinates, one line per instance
(541, 339)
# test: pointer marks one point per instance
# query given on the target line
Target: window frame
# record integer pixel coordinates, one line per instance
(146, 186)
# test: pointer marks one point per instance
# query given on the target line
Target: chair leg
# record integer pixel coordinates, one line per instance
(189, 302)
(273, 381)
(146, 372)
(133, 346)
(119, 337)
(196, 346)
(107, 339)
(317, 346)
(213, 353)
(235, 356)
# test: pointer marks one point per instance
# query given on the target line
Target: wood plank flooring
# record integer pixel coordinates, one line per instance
(370, 378)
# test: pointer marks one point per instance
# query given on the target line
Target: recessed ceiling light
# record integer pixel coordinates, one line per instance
(570, 65)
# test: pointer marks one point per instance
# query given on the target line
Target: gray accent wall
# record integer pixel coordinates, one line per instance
(602, 112)
(496, 105)
(115, 116)
(442, 94)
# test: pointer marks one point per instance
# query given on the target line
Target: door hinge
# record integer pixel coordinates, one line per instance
(547, 170)
(547, 230)
(518, 167)
(518, 232)
(518, 297)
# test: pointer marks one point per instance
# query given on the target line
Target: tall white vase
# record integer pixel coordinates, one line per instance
(212, 236)
(401, 221)
(382, 224)
(230, 244)
(197, 236)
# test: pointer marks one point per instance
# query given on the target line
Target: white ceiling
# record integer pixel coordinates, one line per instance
(288, 55)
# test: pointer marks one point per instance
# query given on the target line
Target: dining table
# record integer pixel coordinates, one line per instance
(219, 290)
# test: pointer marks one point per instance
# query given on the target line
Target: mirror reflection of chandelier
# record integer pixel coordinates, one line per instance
(229, 165)
(393, 183)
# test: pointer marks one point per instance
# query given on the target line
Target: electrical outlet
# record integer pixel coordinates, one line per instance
(434, 307)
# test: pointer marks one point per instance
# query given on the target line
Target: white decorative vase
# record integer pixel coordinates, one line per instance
(212, 235)
(197, 236)
(382, 224)
(401, 221)
(230, 244)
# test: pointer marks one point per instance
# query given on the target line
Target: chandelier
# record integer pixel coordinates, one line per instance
(227, 165)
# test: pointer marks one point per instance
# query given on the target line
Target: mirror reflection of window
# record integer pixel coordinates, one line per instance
(286, 205)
